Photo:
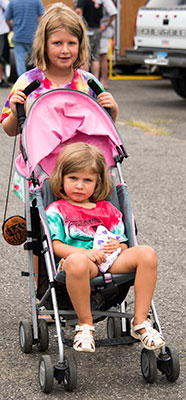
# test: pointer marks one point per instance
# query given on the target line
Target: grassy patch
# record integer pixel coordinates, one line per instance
(148, 127)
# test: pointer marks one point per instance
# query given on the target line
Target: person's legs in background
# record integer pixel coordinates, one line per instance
(94, 44)
(20, 52)
(104, 50)
(3, 84)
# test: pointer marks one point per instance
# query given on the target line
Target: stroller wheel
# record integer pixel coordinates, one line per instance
(43, 336)
(168, 364)
(70, 378)
(149, 366)
(25, 336)
(46, 374)
(113, 327)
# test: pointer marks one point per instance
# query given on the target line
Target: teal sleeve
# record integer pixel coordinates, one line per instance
(56, 226)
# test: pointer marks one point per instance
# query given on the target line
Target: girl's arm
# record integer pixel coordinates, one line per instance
(10, 123)
(105, 99)
(62, 250)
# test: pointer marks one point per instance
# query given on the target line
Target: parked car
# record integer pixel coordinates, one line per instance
(160, 40)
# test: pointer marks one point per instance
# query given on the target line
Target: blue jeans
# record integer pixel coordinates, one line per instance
(20, 51)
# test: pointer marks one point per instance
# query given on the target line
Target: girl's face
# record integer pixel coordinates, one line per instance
(62, 49)
(79, 186)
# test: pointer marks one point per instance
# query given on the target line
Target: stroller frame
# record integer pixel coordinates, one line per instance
(36, 332)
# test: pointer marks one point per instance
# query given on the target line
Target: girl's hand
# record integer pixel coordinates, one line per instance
(96, 255)
(111, 246)
(106, 100)
(17, 97)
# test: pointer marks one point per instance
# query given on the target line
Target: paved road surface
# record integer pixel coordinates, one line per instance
(155, 173)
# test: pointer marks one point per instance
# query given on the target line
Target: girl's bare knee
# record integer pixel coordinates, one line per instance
(76, 264)
(149, 256)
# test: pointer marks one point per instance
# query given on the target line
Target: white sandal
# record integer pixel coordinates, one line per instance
(146, 338)
(84, 341)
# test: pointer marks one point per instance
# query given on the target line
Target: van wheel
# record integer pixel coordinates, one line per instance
(179, 86)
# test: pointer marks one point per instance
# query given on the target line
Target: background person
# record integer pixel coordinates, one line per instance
(22, 16)
(92, 12)
(4, 29)
(107, 32)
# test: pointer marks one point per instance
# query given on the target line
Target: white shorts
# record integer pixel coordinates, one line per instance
(104, 45)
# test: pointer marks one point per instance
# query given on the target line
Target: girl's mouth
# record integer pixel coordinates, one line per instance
(64, 58)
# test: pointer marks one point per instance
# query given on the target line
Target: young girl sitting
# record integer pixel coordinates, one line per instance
(81, 181)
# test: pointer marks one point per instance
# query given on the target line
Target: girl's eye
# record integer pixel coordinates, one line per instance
(88, 180)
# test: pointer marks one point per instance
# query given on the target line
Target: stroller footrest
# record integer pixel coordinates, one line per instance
(107, 342)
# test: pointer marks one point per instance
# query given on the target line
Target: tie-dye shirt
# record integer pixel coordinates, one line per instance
(79, 82)
(76, 226)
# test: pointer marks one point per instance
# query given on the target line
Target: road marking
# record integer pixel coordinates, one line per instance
(134, 77)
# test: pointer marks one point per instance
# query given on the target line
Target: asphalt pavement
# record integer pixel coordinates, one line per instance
(153, 126)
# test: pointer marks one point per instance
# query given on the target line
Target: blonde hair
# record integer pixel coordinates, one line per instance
(58, 16)
(77, 157)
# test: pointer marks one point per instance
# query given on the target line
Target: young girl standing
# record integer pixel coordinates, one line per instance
(60, 48)
(81, 181)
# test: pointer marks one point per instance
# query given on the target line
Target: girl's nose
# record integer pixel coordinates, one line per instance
(64, 49)
(79, 184)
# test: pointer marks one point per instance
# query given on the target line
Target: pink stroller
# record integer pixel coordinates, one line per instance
(56, 118)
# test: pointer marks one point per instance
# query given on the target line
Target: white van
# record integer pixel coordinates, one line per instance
(160, 40)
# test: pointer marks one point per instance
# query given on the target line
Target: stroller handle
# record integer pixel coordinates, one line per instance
(97, 90)
(20, 107)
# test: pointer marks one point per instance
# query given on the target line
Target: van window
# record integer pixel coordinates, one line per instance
(165, 3)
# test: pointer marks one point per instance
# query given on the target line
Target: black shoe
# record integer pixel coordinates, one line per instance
(4, 84)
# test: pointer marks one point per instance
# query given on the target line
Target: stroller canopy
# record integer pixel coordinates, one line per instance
(60, 117)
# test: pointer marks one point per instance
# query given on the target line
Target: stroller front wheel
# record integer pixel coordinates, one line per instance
(46, 374)
(168, 363)
(70, 378)
(25, 336)
(149, 366)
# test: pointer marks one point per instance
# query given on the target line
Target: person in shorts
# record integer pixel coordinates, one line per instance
(107, 32)
(92, 12)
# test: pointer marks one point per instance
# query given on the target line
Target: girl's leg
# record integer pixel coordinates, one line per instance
(79, 270)
(143, 260)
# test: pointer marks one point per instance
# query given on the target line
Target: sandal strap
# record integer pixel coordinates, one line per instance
(86, 327)
(145, 325)
(84, 341)
(150, 335)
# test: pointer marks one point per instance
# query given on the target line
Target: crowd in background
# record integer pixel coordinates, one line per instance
(22, 18)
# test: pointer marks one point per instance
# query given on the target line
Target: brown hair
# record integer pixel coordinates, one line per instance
(77, 157)
(58, 16)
